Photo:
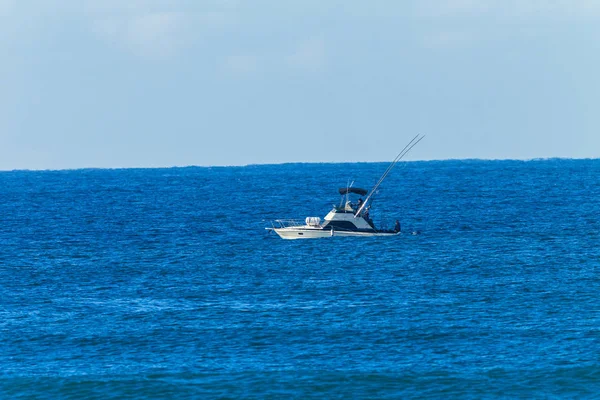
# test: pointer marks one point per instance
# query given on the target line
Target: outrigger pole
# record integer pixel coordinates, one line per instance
(399, 157)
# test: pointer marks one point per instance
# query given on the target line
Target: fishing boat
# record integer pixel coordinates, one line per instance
(349, 218)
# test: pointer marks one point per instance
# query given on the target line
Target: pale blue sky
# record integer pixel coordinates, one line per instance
(149, 83)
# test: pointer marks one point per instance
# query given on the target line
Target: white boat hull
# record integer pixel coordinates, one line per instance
(315, 233)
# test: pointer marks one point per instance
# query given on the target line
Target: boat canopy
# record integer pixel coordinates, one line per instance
(359, 191)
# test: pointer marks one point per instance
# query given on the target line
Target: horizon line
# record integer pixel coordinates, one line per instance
(293, 162)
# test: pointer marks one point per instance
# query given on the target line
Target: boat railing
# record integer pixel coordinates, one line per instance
(287, 223)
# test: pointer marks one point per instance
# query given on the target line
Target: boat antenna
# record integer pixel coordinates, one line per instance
(399, 157)
(344, 198)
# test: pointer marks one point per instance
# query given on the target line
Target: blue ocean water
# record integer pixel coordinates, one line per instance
(145, 283)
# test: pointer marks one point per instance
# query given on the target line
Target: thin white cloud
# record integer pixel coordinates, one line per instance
(548, 10)
(510, 8)
(445, 8)
(462, 23)
(6, 7)
(448, 39)
(310, 54)
(123, 7)
(153, 35)
(155, 28)
(137, 7)
(241, 64)
(157, 34)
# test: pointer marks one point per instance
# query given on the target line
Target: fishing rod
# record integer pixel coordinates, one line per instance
(394, 161)
(399, 157)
